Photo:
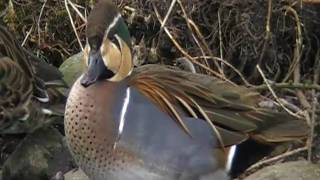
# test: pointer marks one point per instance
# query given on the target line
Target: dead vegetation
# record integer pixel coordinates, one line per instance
(271, 46)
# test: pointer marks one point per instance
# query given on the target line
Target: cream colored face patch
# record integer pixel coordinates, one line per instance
(116, 59)
(111, 55)
(126, 65)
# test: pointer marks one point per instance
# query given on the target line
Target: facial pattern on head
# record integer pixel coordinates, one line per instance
(108, 50)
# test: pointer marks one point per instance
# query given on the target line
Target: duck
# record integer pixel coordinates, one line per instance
(156, 122)
(22, 87)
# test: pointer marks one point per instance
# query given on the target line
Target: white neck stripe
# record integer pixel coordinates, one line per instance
(112, 24)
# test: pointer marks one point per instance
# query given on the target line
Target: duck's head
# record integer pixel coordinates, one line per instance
(107, 53)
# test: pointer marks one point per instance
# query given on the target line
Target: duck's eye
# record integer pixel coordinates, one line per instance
(115, 41)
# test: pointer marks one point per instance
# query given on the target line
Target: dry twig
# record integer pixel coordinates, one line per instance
(183, 51)
(72, 24)
(276, 158)
(38, 24)
(273, 93)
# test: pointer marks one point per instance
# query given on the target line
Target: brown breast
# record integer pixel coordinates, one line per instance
(151, 146)
(90, 129)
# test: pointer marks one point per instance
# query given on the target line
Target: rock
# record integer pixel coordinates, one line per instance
(36, 120)
(58, 176)
(185, 64)
(75, 175)
(41, 155)
(72, 68)
(297, 170)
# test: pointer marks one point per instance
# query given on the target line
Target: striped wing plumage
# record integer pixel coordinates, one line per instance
(231, 110)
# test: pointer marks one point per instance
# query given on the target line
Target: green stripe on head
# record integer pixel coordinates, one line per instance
(120, 28)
